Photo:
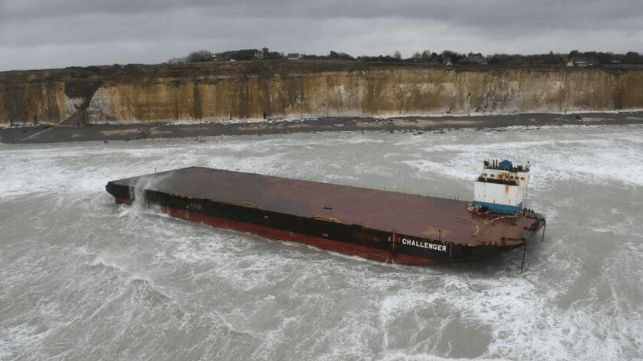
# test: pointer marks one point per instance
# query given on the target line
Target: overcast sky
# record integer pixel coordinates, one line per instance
(60, 33)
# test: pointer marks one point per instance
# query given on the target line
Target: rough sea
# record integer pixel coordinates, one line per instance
(82, 278)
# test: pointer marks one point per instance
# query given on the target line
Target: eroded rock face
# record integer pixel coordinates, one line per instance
(257, 91)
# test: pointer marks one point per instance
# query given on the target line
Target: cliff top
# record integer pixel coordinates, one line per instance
(257, 67)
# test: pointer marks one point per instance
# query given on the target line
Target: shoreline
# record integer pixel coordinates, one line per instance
(126, 132)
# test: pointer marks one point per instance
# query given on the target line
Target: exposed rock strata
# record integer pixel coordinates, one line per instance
(263, 90)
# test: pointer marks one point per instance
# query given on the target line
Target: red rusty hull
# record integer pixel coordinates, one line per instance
(277, 208)
(319, 242)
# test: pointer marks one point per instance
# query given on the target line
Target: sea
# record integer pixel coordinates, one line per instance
(82, 278)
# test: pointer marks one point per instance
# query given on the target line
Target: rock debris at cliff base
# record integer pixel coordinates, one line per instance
(114, 132)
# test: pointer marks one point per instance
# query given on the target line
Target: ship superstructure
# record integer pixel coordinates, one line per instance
(501, 187)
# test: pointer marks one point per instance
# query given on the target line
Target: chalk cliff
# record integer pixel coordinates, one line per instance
(253, 91)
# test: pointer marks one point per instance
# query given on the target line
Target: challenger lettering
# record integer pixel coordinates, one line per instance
(422, 244)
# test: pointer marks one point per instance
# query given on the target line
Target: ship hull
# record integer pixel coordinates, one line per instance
(352, 239)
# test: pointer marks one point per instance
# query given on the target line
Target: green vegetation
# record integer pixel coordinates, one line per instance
(447, 57)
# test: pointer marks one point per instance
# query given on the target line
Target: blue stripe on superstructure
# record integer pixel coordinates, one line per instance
(499, 208)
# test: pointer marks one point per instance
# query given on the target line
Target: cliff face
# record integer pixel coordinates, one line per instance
(254, 91)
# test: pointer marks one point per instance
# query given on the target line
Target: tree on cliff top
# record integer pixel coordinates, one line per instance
(200, 56)
(339, 55)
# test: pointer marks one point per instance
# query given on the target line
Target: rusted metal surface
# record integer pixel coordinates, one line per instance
(420, 216)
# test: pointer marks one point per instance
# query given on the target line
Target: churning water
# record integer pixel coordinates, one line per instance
(82, 278)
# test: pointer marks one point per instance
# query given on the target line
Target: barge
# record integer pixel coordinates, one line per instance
(375, 224)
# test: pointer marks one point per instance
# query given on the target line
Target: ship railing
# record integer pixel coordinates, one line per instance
(495, 165)
(518, 168)
(497, 181)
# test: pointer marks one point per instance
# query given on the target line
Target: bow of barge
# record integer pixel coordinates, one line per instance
(375, 224)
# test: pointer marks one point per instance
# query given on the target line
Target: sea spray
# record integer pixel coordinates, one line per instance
(216, 294)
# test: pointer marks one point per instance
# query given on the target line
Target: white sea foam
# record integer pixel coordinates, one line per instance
(592, 160)
(107, 275)
(399, 355)
(17, 340)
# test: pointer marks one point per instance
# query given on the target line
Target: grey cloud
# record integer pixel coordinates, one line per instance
(153, 31)
(487, 13)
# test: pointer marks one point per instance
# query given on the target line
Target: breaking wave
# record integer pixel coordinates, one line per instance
(83, 278)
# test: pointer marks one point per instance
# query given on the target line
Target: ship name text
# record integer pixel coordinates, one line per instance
(421, 244)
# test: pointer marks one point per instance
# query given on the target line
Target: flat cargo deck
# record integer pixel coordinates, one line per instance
(446, 220)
